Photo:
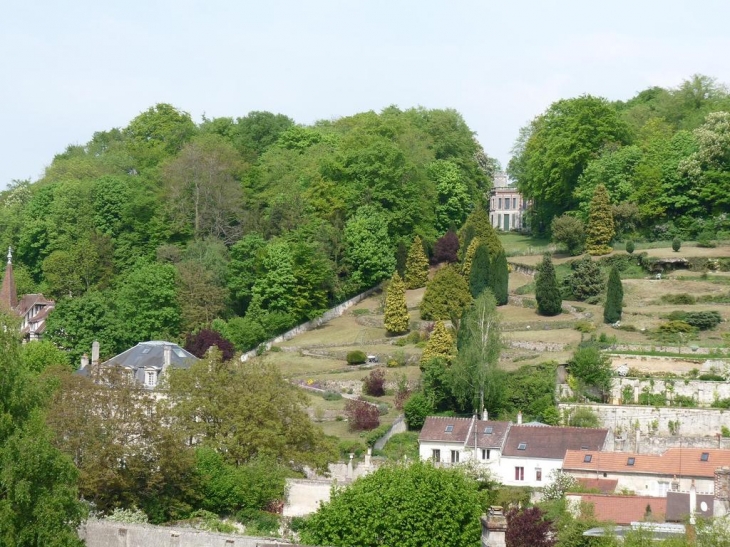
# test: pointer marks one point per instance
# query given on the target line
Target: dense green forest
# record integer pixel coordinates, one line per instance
(248, 225)
(663, 155)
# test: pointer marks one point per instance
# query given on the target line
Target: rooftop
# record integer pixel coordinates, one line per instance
(530, 441)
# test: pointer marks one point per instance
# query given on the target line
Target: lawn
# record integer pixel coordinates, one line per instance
(521, 244)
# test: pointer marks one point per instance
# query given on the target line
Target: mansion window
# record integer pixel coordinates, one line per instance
(514, 203)
(506, 203)
(436, 455)
(519, 473)
(500, 203)
(151, 378)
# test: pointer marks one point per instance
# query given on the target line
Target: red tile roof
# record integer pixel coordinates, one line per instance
(605, 486)
(624, 509)
(551, 442)
(685, 462)
(436, 428)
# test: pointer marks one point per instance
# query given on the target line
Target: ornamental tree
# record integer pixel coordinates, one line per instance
(469, 257)
(614, 297)
(440, 344)
(547, 292)
(477, 225)
(569, 231)
(500, 278)
(396, 318)
(529, 528)
(416, 505)
(601, 228)
(446, 296)
(416, 275)
(480, 274)
(446, 248)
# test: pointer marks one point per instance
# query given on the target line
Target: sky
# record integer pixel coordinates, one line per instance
(68, 69)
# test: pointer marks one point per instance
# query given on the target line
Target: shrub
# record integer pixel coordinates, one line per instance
(674, 327)
(706, 239)
(702, 320)
(724, 431)
(374, 383)
(198, 344)
(376, 434)
(547, 293)
(446, 296)
(346, 448)
(446, 248)
(416, 410)
(569, 231)
(676, 244)
(630, 246)
(684, 401)
(362, 416)
(356, 357)
(331, 396)
(653, 399)
(584, 326)
(585, 281)
(259, 523)
(679, 299)
(416, 274)
(711, 377)
(396, 319)
(583, 417)
(614, 297)
(600, 229)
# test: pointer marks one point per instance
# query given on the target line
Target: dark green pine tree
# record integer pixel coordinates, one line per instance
(480, 275)
(614, 297)
(547, 292)
(500, 278)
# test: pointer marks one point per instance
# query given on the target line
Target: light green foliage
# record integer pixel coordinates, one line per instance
(547, 293)
(479, 345)
(416, 275)
(244, 410)
(39, 499)
(531, 389)
(440, 344)
(402, 445)
(368, 247)
(147, 304)
(242, 269)
(559, 483)
(454, 200)
(469, 257)
(408, 506)
(591, 368)
(477, 225)
(500, 278)
(396, 318)
(554, 150)
(132, 515)
(600, 229)
(569, 231)
(446, 296)
(583, 417)
(614, 297)
(158, 133)
(480, 272)
(42, 354)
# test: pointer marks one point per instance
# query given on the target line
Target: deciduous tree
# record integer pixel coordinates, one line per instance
(528, 527)
(569, 231)
(446, 248)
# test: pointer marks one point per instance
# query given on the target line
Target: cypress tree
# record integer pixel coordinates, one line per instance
(396, 318)
(469, 258)
(600, 230)
(440, 344)
(477, 225)
(614, 297)
(480, 275)
(547, 292)
(416, 266)
(500, 278)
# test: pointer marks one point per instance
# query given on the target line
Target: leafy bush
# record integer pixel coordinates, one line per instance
(383, 409)
(446, 248)
(702, 320)
(679, 299)
(583, 417)
(362, 416)
(585, 281)
(346, 448)
(630, 246)
(706, 239)
(198, 344)
(356, 357)
(374, 383)
(711, 377)
(684, 401)
(585, 326)
(402, 445)
(376, 434)
(725, 431)
(259, 523)
(331, 396)
(416, 410)
(674, 327)
(653, 399)
(591, 367)
(210, 522)
(569, 231)
(676, 244)
(132, 515)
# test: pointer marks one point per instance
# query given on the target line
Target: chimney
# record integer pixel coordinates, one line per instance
(368, 457)
(485, 414)
(519, 418)
(692, 502)
(95, 353)
(84, 362)
(8, 292)
(167, 352)
(675, 484)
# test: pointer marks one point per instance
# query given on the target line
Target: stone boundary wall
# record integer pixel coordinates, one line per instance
(698, 427)
(100, 533)
(399, 426)
(703, 392)
(313, 324)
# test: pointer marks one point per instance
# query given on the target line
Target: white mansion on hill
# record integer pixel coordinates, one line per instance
(507, 209)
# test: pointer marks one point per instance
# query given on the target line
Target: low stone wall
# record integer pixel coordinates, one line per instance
(313, 324)
(647, 429)
(304, 496)
(704, 393)
(100, 533)
(399, 426)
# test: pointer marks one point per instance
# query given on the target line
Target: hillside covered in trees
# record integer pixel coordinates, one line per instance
(249, 225)
(663, 156)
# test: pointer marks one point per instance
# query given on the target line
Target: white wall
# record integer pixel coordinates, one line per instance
(650, 485)
(507, 466)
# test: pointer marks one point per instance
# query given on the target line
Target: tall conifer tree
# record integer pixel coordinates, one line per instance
(500, 278)
(547, 292)
(469, 258)
(614, 297)
(480, 275)
(416, 266)
(396, 318)
(440, 344)
(600, 230)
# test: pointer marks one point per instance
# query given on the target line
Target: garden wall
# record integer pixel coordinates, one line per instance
(313, 324)
(99, 533)
(703, 393)
(647, 429)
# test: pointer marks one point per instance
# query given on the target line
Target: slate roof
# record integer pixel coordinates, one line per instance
(686, 462)
(625, 509)
(678, 506)
(462, 431)
(551, 442)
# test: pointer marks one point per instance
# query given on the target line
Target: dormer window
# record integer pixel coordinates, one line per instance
(449, 428)
(150, 378)
(705, 457)
(522, 446)
(488, 430)
(631, 461)
(587, 458)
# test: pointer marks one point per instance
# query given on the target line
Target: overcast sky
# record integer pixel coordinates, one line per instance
(68, 69)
